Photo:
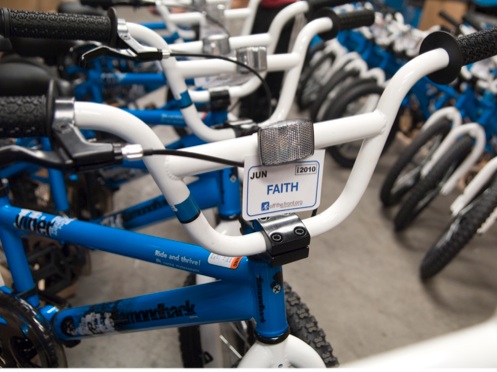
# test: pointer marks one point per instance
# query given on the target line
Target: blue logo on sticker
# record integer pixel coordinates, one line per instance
(265, 206)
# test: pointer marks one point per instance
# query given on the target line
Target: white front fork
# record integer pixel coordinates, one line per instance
(291, 352)
(474, 130)
(472, 189)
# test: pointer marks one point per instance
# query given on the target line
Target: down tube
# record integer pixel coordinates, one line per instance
(161, 251)
(201, 304)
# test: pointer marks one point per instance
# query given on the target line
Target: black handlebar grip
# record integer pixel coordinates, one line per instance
(315, 5)
(345, 21)
(359, 18)
(462, 51)
(478, 45)
(105, 4)
(59, 26)
(27, 116)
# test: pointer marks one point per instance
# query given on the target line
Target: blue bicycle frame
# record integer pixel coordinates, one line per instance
(246, 289)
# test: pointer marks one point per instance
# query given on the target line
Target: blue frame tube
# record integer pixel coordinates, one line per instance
(131, 78)
(201, 304)
(158, 250)
(17, 168)
(159, 116)
(205, 191)
(255, 290)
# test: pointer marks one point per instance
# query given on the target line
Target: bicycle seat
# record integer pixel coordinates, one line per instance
(49, 50)
(21, 76)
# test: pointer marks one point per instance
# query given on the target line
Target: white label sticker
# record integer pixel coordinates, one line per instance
(224, 261)
(287, 188)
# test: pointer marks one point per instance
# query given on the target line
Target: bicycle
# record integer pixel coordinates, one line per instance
(81, 322)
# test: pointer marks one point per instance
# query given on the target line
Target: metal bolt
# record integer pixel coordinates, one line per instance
(276, 237)
(276, 288)
(233, 178)
(300, 231)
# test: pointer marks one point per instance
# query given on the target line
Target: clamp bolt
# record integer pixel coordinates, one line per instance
(299, 231)
(276, 237)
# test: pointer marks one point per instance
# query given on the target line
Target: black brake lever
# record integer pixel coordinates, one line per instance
(13, 154)
(141, 55)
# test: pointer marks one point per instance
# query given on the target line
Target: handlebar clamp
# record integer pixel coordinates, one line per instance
(288, 238)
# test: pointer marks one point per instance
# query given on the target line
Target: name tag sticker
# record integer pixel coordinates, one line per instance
(288, 188)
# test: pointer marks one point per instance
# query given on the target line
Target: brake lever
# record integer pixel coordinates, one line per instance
(14, 153)
(133, 51)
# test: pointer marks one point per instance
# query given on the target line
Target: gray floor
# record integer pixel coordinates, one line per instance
(360, 281)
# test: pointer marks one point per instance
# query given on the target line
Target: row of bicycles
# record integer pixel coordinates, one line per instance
(451, 129)
(73, 133)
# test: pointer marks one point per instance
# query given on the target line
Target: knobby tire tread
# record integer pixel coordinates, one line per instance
(459, 233)
(387, 197)
(302, 325)
(442, 169)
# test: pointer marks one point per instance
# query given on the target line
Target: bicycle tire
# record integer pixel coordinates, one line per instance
(401, 178)
(459, 232)
(328, 93)
(302, 325)
(307, 85)
(428, 187)
(351, 95)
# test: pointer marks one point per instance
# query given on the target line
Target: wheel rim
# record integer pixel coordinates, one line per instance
(412, 172)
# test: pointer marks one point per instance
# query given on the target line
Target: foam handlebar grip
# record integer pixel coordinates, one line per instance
(27, 116)
(478, 45)
(59, 26)
(359, 18)
(344, 21)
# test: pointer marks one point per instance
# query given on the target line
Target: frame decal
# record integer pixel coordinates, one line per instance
(97, 322)
(37, 222)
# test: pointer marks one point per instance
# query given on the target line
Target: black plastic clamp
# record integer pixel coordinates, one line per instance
(219, 99)
(242, 127)
(288, 238)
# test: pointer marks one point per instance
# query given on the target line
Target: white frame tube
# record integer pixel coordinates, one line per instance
(472, 188)
(474, 130)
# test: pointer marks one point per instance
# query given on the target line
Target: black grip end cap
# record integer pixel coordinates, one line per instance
(328, 13)
(444, 40)
(5, 22)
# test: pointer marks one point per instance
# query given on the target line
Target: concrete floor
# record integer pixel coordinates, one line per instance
(360, 281)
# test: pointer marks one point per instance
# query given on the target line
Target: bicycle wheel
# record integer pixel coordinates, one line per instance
(353, 99)
(428, 187)
(406, 171)
(459, 232)
(237, 337)
(327, 95)
(310, 82)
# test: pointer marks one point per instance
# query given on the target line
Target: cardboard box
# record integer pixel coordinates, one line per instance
(34, 5)
(431, 9)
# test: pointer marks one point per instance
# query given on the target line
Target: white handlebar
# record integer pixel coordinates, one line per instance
(167, 171)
